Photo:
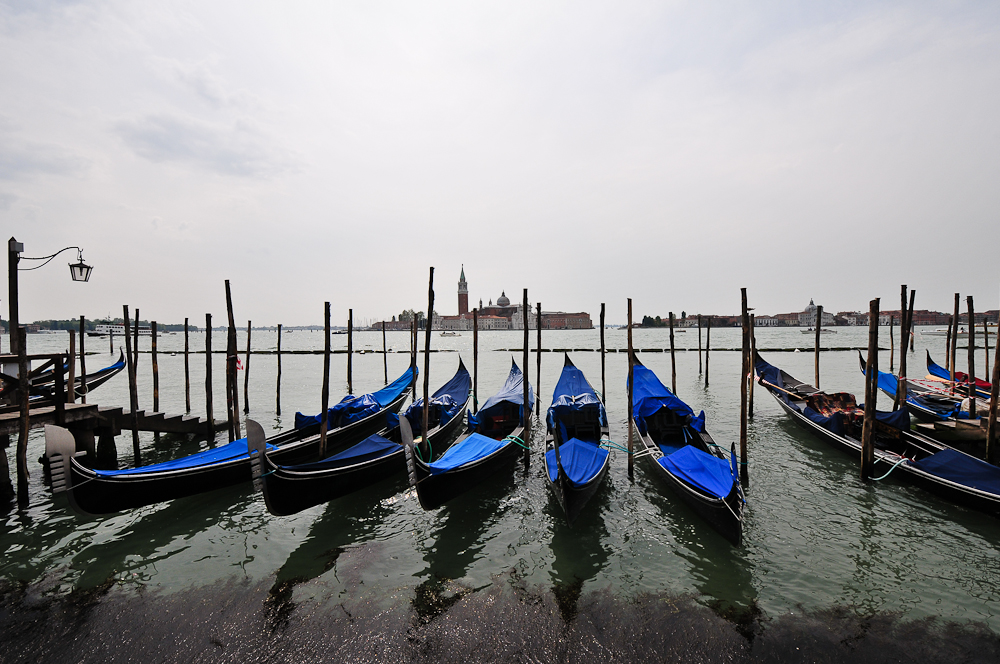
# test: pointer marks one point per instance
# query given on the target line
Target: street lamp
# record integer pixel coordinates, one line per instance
(80, 271)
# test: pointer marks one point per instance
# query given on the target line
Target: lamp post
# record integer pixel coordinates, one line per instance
(79, 271)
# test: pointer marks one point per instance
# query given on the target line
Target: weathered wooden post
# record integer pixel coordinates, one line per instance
(135, 342)
(892, 345)
(133, 392)
(947, 346)
(604, 387)
(111, 339)
(232, 355)
(708, 345)
(819, 328)
(954, 345)
(325, 396)
(753, 359)
(986, 347)
(187, 369)
(83, 362)
(900, 399)
(246, 372)
(526, 309)
(413, 358)
(631, 388)
(427, 356)
(538, 369)
(156, 368)
(699, 344)
(991, 425)
(208, 377)
(71, 361)
(673, 359)
(972, 359)
(277, 391)
(871, 393)
(909, 320)
(744, 377)
(20, 335)
(350, 351)
(475, 360)
(385, 356)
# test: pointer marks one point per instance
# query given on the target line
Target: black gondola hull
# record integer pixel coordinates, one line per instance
(436, 490)
(573, 498)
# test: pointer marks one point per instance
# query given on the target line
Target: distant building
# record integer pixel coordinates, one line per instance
(808, 317)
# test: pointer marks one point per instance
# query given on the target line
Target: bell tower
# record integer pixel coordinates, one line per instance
(463, 294)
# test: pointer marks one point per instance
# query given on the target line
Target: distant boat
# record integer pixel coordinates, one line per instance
(450, 334)
(812, 330)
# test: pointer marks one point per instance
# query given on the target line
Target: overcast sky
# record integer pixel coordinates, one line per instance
(668, 152)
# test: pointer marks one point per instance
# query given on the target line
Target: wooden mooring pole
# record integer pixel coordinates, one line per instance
(111, 341)
(246, 372)
(673, 357)
(947, 346)
(972, 358)
(277, 390)
(753, 356)
(135, 342)
(22, 435)
(744, 378)
(133, 393)
(986, 348)
(83, 362)
(385, 356)
(187, 369)
(897, 401)
(819, 328)
(708, 345)
(909, 320)
(871, 393)
(350, 351)
(156, 368)
(538, 368)
(699, 344)
(475, 360)
(991, 425)
(325, 395)
(604, 386)
(954, 344)
(892, 345)
(209, 414)
(413, 358)
(631, 375)
(232, 355)
(71, 360)
(427, 360)
(526, 309)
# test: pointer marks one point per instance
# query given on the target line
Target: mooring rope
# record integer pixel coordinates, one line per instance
(901, 460)
(517, 441)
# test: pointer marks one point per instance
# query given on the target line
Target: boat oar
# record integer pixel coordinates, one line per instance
(772, 385)
(406, 435)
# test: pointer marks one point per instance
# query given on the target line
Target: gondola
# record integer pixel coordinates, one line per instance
(105, 491)
(291, 488)
(923, 403)
(929, 464)
(492, 440)
(576, 424)
(683, 454)
(42, 381)
(961, 379)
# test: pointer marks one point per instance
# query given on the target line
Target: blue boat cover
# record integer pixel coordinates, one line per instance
(228, 452)
(581, 461)
(889, 383)
(574, 393)
(473, 448)
(650, 395)
(512, 392)
(705, 472)
(372, 447)
(963, 469)
(447, 402)
(353, 408)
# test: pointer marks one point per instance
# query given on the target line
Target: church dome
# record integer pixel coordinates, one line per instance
(503, 301)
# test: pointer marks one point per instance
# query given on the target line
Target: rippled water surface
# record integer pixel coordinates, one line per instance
(816, 537)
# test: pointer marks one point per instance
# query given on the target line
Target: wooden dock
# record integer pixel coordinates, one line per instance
(110, 419)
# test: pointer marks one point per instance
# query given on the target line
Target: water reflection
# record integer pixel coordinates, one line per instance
(580, 551)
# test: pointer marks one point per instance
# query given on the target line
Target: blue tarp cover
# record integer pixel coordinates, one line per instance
(354, 408)
(228, 452)
(573, 393)
(703, 471)
(449, 399)
(511, 392)
(963, 469)
(581, 461)
(889, 383)
(650, 395)
(372, 447)
(465, 451)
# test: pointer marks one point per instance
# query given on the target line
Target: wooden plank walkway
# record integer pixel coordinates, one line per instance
(93, 416)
